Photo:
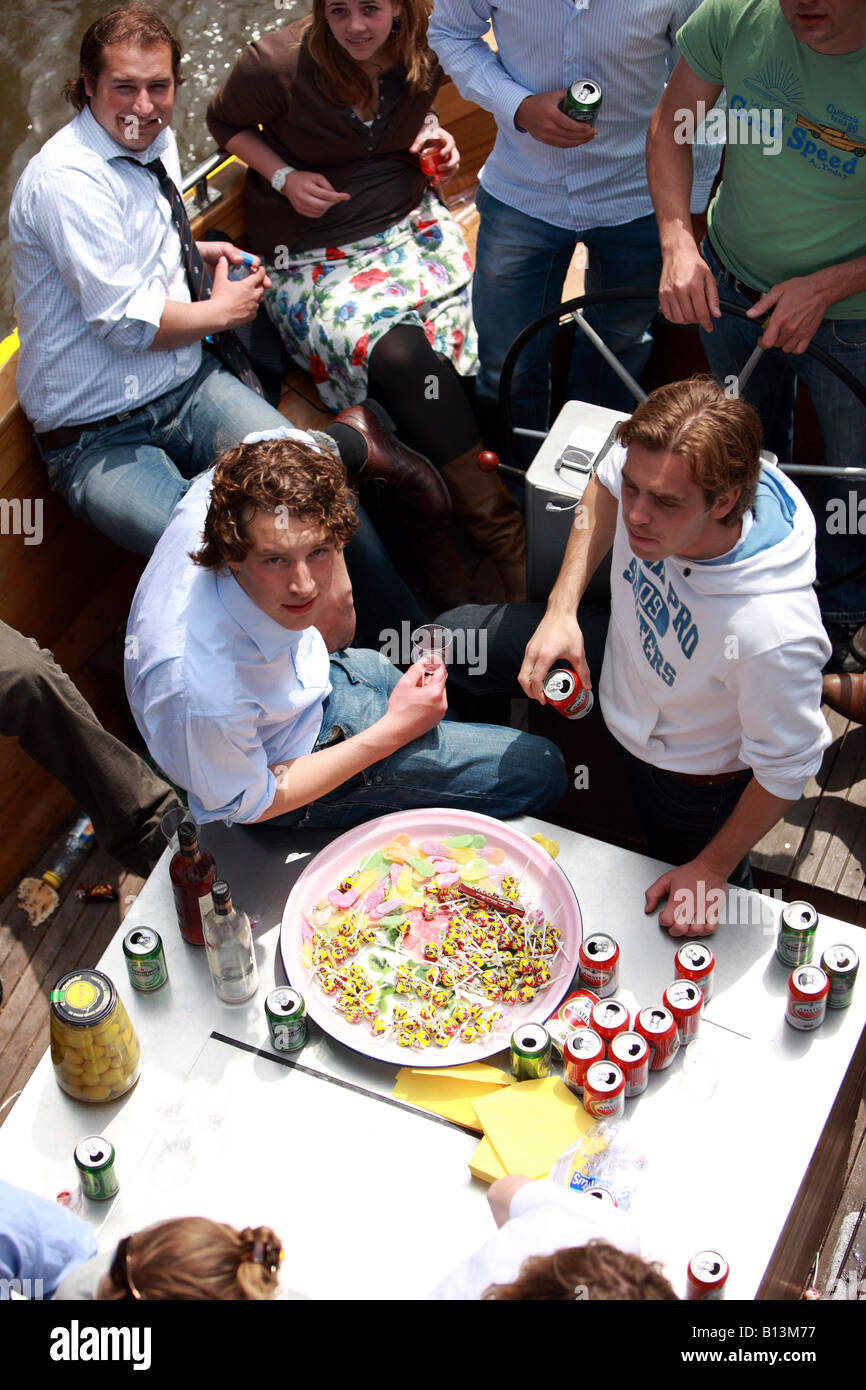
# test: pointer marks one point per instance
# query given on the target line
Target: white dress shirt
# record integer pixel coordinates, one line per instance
(220, 691)
(626, 46)
(95, 256)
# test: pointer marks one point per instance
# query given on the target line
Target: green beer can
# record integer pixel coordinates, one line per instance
(145, 959)
(94, 1159)
(286, 1013)
(531, 1047)
(582, 101)
(796, 940)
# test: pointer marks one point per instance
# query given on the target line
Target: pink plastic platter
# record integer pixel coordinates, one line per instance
(543, 886)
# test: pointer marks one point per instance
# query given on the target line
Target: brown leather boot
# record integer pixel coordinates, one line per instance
(846, 694)
(492, 517)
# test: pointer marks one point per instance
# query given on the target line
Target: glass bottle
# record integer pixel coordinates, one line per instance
(192, 872)
(231, 956)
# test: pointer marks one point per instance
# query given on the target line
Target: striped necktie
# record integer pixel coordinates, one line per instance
(227, 344)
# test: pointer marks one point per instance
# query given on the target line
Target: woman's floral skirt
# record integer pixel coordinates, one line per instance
(332, 305)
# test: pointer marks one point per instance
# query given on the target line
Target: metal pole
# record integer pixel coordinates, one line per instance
(748, 369)
(613, 362)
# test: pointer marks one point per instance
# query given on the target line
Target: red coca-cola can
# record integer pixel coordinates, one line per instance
(808, 987)
(604, 1091)
(563, 690)
(574, 1012)
(659, 1027)
(695, 961)
(608, 1018)
(707, 1275)
(599, 964)
(582, 1048)
(630, 1051)
(685, 1000)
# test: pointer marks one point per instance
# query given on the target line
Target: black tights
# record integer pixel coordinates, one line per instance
(423, 394)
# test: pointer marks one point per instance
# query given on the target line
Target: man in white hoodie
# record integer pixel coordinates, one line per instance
(711, 678)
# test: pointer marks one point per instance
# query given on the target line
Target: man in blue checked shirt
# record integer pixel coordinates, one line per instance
(125, 406)
(552, 182)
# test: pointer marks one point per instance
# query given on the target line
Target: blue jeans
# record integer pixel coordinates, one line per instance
(471, 767)
(521, 264)
(771, 390)
(125, 481)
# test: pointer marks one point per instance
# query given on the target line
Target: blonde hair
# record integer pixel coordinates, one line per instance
(719, 435)
(193, 1258)
(342, 81)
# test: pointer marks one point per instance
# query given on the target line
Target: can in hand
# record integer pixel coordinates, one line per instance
(531, 1047)
(564, 692)
(582, 101)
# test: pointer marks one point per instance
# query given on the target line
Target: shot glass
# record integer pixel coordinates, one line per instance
(432, 645)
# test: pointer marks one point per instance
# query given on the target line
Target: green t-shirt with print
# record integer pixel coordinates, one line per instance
(793, 195)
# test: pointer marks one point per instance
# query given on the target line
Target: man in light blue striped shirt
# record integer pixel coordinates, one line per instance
(126, 407)
(552, 182)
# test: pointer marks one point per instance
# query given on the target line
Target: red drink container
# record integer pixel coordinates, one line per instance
(695, 961)
(685, 1001)
(604, 1091)
(630, 1051)
(608, 1018)
(808, 988)
(707, 1275)
(599, 964)
(430, 158)
(564, 692)
(582, 1048)
(659, 1027)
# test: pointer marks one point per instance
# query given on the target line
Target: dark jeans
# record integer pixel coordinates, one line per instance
(56, 727)
(677, 817)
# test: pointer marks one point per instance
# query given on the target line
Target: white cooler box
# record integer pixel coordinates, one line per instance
(579, 437)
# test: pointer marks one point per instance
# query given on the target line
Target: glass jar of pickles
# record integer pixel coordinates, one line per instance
(93, 1044)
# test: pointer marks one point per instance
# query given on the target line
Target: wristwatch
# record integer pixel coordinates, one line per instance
(278, 181)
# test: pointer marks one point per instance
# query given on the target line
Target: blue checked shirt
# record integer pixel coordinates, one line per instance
(95, 256)
(627, 46)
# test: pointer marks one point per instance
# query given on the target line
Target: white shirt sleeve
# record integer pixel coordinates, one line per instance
(544, 1217)
(455, 33)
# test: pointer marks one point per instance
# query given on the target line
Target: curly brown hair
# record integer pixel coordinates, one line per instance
(280, 476)
(596, 1271)
(131, 24)
(719, 435)
(195, 1258)
(341, 80)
